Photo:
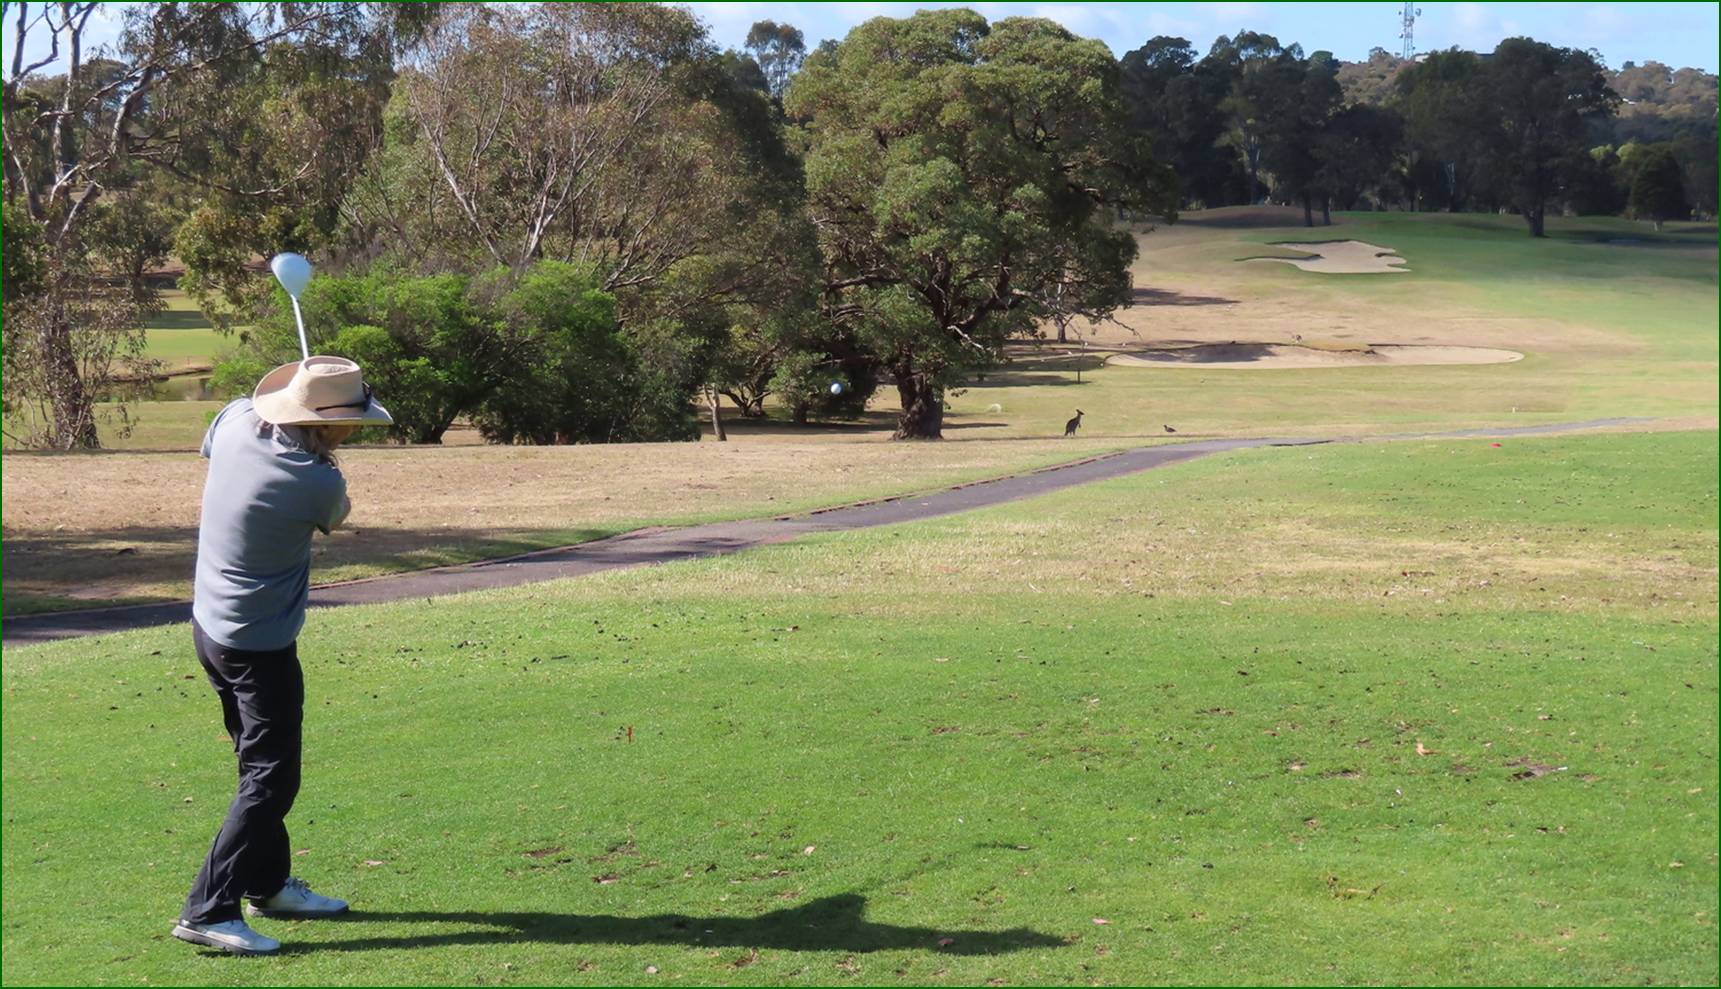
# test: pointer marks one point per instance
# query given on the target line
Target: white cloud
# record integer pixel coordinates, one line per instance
(1472, 16)
(1234, 12)
(1120, 26)
(1605, 17)
(1473, 26)
(1159, 22)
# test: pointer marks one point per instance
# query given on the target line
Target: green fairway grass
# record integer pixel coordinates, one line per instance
(180, 335)
(1608, 329)
(164, 426)
(154, 425)
(1419, 712)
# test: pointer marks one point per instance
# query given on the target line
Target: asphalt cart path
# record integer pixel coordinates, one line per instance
(644, 547)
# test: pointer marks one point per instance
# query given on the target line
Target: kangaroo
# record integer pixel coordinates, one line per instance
(1074, 424)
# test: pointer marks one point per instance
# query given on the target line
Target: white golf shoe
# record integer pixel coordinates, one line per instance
(230, 935)
(295, 900)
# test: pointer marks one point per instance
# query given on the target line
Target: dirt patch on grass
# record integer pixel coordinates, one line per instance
(1270, 356)
(1342, 257)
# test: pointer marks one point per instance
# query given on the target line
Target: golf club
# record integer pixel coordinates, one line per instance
(294, 273)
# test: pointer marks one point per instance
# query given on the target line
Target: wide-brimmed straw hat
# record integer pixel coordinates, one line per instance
(318, 391)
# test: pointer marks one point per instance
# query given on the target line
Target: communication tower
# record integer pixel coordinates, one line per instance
(1407, 30)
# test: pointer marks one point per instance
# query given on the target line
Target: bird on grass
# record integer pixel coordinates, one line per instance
(1168, 429)
(1074, 424)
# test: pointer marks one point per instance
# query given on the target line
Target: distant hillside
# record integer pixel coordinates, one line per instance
(1658, 103)
(1371, 81)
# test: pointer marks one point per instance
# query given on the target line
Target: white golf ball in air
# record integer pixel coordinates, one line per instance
(836, 388)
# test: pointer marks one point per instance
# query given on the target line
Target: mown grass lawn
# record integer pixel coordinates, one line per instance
(1415, 712)
(1614, 320)
(181, 335)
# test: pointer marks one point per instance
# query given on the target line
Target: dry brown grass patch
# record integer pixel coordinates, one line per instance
(123, 526)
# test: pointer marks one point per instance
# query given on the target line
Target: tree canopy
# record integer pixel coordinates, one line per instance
(957, 171)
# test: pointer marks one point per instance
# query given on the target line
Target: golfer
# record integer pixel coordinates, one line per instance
(273, 479)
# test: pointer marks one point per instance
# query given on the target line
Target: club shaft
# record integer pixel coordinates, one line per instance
(304, 348)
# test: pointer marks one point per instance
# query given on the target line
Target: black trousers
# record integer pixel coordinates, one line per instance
(263, 702)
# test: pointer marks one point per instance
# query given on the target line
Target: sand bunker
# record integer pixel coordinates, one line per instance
(1342, 257)
(1270, 356)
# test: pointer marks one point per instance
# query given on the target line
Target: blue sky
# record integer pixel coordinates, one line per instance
(1679, 34)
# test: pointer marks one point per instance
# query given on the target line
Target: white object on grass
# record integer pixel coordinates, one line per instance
(294, 273)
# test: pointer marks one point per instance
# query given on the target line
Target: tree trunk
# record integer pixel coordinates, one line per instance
(1327, 210)
(433, 434)
(716, 416)
(69, 401)
(1536, 218)
(922, 415)
(1308, 210)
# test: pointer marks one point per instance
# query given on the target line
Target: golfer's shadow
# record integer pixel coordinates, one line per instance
(835, 923)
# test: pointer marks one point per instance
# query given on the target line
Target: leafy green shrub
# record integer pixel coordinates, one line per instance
(537, 358)
(585, 381)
